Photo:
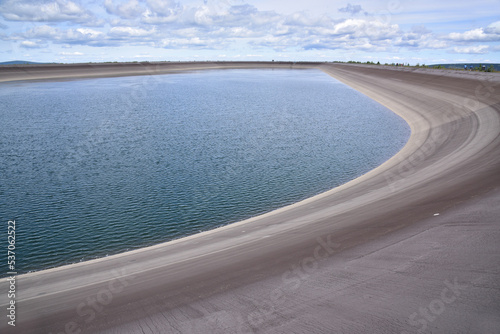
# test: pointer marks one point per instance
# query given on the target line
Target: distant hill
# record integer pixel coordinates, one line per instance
(460, 66)
(19, 62)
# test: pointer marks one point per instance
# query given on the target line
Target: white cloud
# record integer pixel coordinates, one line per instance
(192, 43)
(351, 34)
(130, 32)
(471, 35)
(351, 9)
(160, 12)
(432, 43)
(489, 34)
(90, 33)
(151, 18)
(478, 49)
(303, 19)
(84, 36)
(44, 31)
(356, 28)
(76, 53)
(129, 10)
(419, 37)
(164, 7)
(80, 36)
(493, 28)
(44, 11)
(30, 45)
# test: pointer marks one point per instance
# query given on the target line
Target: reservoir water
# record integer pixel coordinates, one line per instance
(95, 167)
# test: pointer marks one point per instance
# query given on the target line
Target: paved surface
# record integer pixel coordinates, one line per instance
(412, 246)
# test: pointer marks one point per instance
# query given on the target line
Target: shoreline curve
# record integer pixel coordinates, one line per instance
(449, 159)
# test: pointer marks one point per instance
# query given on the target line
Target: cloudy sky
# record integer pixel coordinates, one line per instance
(424, 31)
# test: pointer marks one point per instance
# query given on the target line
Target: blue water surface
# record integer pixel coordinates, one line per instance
(95, 167)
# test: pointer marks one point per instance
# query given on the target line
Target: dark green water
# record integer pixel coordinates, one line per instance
(95, 167)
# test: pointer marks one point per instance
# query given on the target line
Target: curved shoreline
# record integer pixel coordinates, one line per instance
(450, 150)
(267, 207)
